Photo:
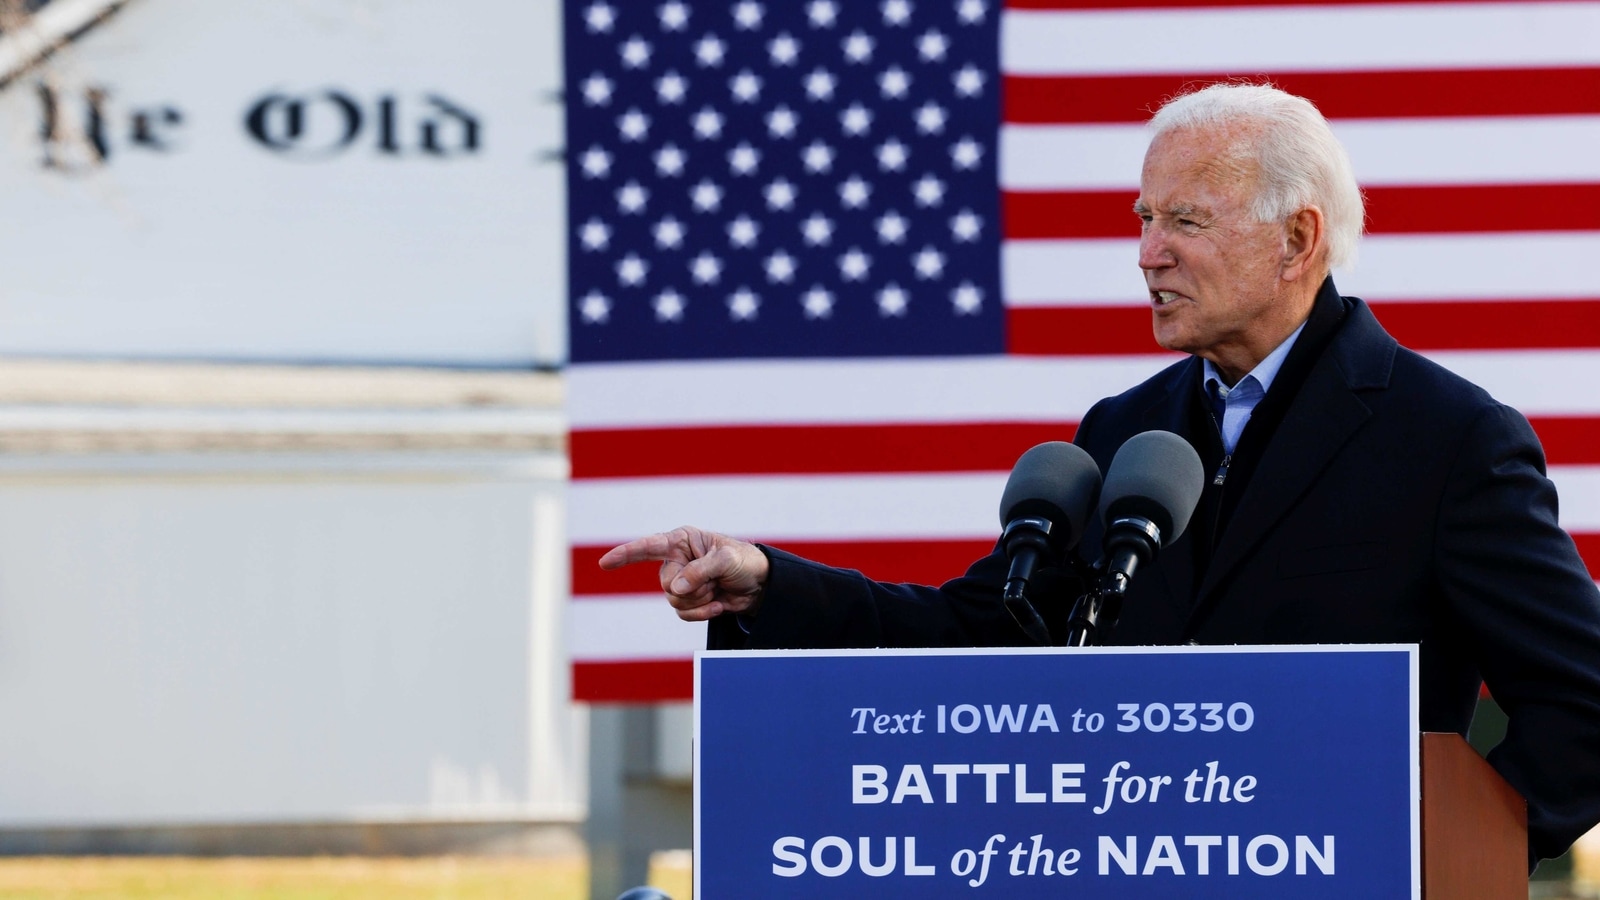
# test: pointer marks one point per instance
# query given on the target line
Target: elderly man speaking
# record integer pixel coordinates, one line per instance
(1356, 492)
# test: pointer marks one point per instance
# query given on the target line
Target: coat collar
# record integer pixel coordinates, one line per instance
(1320, 420)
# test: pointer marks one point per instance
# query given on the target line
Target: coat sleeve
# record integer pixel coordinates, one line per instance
(1530, 610)
(809, 605)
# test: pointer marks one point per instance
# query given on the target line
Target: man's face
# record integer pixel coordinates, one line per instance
(1212, 269)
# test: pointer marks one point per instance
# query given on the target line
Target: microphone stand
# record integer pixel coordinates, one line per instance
(1131, 541)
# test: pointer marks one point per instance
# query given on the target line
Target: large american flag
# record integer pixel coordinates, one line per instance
(835, 264)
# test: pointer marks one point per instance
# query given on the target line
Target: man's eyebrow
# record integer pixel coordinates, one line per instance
(1141, 208)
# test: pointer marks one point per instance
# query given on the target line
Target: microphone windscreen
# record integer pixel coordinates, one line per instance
(1057, 481)
(1156, 475)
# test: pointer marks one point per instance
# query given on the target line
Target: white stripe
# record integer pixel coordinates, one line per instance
(1300, 38)
(1488, 150)
(1579, 490)
(794, 392)
(959, 505)
(1535, 382)
(629, 626)
(1390, 267)
(1538, 382)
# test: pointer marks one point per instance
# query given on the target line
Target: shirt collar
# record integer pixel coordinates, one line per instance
(1265, 371)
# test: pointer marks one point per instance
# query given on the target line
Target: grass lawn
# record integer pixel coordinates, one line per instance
(318, 878)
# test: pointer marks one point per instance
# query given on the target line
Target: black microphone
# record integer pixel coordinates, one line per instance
(1043, 510)
(1151, 490)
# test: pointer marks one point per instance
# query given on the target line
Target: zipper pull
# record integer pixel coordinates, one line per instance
(1222, 470)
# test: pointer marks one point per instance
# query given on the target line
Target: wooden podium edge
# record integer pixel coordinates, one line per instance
(1474, 826)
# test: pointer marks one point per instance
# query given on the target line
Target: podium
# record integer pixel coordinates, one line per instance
(1200, 772)
(1474, 826)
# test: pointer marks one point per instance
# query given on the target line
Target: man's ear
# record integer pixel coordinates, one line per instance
(1304, 245)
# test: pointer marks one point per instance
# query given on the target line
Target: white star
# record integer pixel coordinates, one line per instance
(967, 299)
(965, 226)
(670, 160)
(747, 15)
(596, 163)
(932, 46)
(780, 268)
(892, 227)
(817, 302)
(631, 198)
(858, 47)
(594, 234)
(783, 49)
(707, 124)
(743, 159)
(966, 153)
(674, 16)
(892, 155)
(597, 90)
(631, 270)
(894, 82)
(706, 269)
(782, 122)
(742, 232)
(780, 195)
(635, 53)
(745, 86)
(968, 81)
(971, 11)
(896, 12)
(853, 266)
(853, 193)
(707, 197)
(856, 119)
(669, 305)
(928, 190)
(595, 307)
(818, 230)
(930, 118)
(823, 13)
(892, 300)
(820, 84)
(743, 304)
(599, 17)
(929, 263)
(818, 157)
(669, 233)
(671, 87)
(634, 125)
(709, 50)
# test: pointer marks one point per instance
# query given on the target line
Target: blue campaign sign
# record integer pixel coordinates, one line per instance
(1116, 772)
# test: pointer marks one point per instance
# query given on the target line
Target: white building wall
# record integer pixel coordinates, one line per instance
(205, 639)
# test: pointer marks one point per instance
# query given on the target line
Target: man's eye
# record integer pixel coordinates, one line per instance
(1187, 223)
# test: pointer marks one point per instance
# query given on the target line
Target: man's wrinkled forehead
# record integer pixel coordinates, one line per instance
(1221, 157)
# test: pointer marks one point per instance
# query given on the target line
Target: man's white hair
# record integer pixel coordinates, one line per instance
(1302, 164)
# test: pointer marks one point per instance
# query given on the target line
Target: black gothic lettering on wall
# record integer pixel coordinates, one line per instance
(334, 121)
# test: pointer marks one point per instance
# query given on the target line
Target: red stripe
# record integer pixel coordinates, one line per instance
(1420, 325)
(1454, 209)
(806, 449)
(1159, 4)
(968, 447)
(634, 681)
(1434, 93)
(917, 562)
(1492, 324)
(1589, 549)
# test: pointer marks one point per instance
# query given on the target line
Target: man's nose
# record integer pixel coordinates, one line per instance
(1153, 250)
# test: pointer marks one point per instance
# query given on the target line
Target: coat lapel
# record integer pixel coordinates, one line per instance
(1171, 413)
(1324, 415)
